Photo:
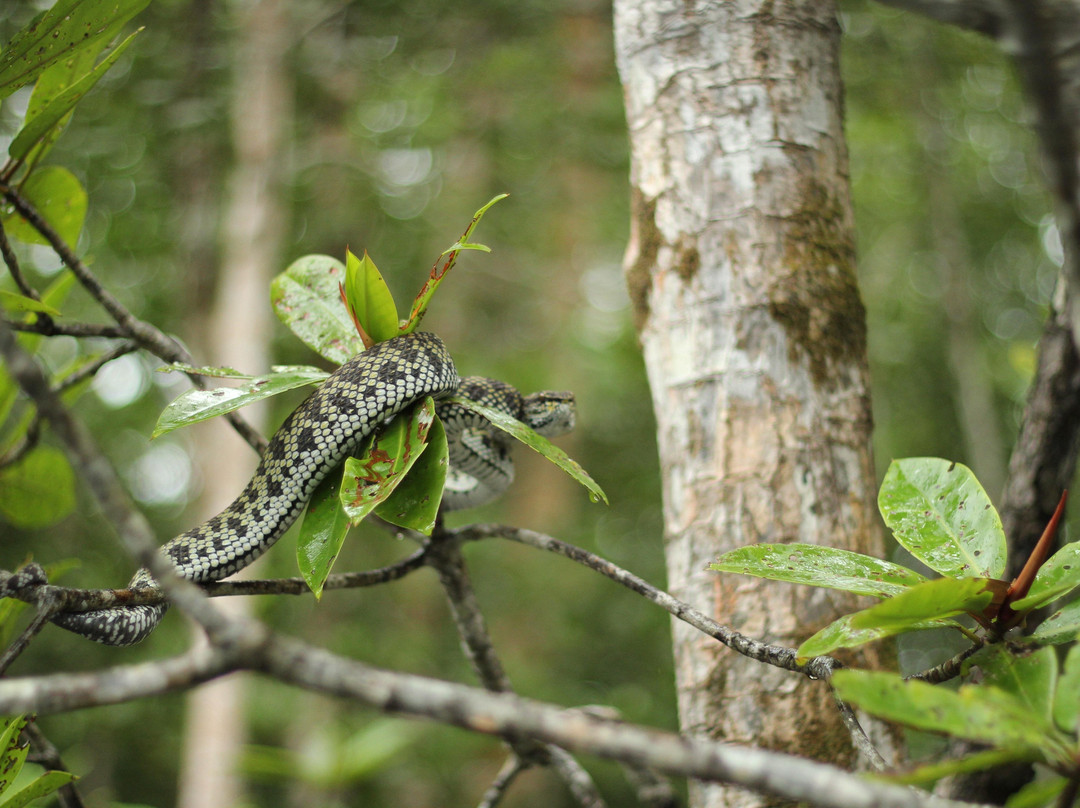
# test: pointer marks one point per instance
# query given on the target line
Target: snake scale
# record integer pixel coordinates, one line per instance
(316, 438)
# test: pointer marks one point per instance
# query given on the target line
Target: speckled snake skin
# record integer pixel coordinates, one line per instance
(315, 439)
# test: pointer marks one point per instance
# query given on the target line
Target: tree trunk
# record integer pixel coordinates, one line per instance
(741, 267)
(238, 329)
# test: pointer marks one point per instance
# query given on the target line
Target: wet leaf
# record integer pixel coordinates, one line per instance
(939, 512)
(820, 566)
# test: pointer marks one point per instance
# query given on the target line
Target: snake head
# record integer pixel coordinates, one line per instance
(550, 413)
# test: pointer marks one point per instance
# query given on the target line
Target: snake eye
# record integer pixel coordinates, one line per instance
(550, 413)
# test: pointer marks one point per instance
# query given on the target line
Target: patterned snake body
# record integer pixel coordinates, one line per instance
(315, 439)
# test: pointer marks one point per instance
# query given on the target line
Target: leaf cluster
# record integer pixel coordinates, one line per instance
(937, 510)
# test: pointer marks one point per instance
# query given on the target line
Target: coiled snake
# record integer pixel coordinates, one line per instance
(316, 438)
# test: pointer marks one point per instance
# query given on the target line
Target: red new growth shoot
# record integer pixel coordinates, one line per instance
(1021, 584)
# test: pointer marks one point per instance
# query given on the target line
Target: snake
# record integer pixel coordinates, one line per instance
(329, 426)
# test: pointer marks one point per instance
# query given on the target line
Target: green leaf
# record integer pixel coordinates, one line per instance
(1062, 626)
(322, 533)
(13, 751)
(842, 634)
(1060, 574)
(43, 124)
(983, 713)
(375, 472)
(15, 302)
(929, 774)
(820, 566)
(536, 442)
(199, 405)
(305, 298)
(1030, 677)
(39, 490)
(60, 199)
(1037, 793)
(43, 786)
(66, 28)
(938, 511)
(414, 504)
(369, 297)
(930, 600)
(1067, 696)
(435, 277)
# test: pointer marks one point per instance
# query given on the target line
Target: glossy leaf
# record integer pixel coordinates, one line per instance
(1030, 677)
(13, 751)
(322, 533)
(43, 786)
(39, 490)
(67, 27)
(842, 634)
(930, 600)
(983, 713)
(199, 405)
(939, 512)
(1062, 626)
(369, 298)
(1066, 709)
(306, 298)
(536, 442)
(414, 504)
(375, 472)
(441, 267)
(60, 199)
(40, 126)
(820, 566)
(1062, 569)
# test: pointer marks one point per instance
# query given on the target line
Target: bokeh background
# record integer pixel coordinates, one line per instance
(403, 118)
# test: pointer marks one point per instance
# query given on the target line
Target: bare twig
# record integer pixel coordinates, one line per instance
(91, 368)
(502, 782)
(949, 669)
(48, 327)
(12, 262)
(776, 655)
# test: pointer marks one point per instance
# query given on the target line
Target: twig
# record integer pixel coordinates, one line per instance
(859, 739)
(45, 754)
(90, 368)
(776, 655)
(949, 669)
(12, 262)
(502, 782)
(48, 327)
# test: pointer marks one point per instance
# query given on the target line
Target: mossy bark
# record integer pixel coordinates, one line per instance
(741, 268)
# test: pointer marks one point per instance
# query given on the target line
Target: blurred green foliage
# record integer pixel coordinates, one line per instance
(408, 116)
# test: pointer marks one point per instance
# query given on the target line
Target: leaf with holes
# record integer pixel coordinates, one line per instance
(940, 513)
(200, 405)
(306, 298)
(820, 566)
(13, 751)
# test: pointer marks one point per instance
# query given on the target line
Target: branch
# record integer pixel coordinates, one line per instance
(116, 506)
(499, 714)
(776, 655)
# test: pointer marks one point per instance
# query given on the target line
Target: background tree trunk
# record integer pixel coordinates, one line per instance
(238, 326)
(741, 268)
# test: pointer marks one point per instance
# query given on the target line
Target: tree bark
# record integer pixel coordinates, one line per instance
(741, 268)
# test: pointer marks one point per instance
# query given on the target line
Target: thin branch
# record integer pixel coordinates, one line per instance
(776, 655)
(859, 739)
(48, 327)
(146, 335)
(91, 368)
(12, 262)
(502, 782)
(45, 754)
(949, 669)
(101, 479)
